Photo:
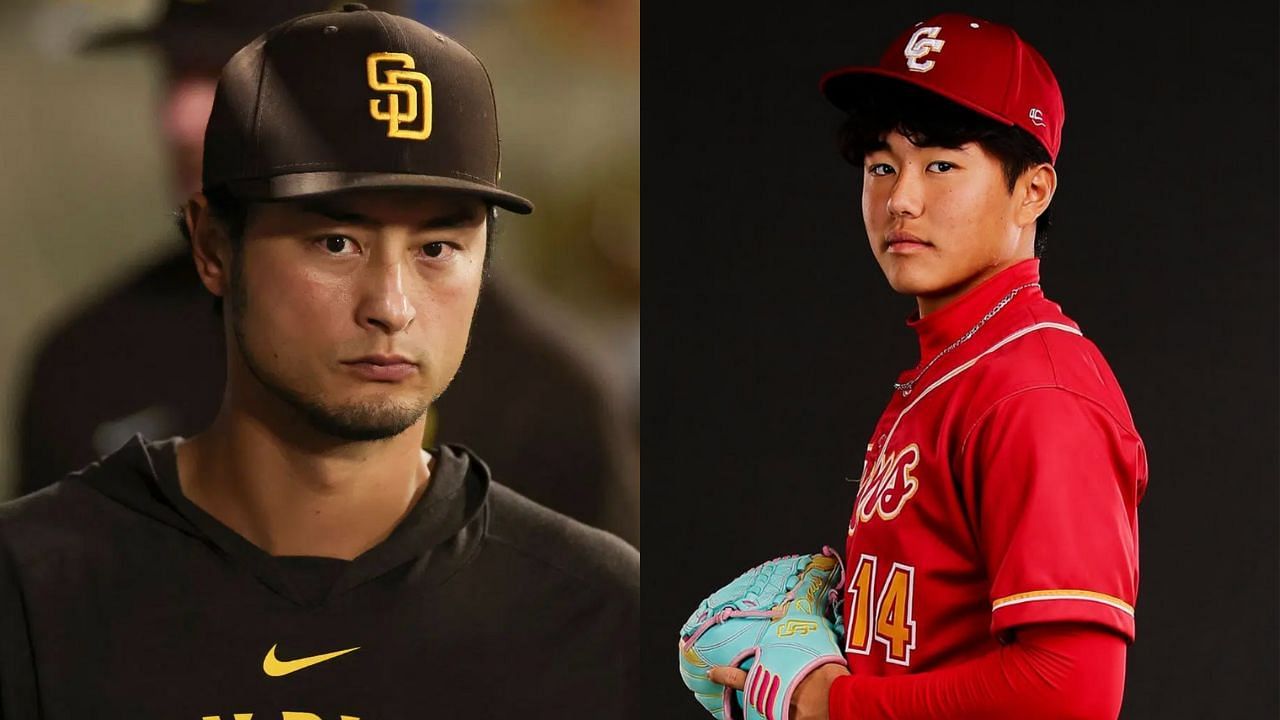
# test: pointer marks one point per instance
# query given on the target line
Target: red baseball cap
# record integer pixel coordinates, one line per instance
(981, 65)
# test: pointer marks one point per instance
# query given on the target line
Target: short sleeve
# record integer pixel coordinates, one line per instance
(1054, 484)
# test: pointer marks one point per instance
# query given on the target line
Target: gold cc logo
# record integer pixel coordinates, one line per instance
(401, 82)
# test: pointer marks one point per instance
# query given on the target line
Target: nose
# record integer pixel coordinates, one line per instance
(906, 199)
(385, 306)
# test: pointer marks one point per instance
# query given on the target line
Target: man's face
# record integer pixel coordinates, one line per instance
(940, 220)
(355, 309)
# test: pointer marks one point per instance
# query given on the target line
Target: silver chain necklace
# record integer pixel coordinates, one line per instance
(907, 386)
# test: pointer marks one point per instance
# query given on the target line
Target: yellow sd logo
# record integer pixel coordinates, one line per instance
(401, 83)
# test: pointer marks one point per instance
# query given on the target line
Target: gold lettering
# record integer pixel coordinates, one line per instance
(890, 503)
(868, 495)
(793, 627)
(882, 493)
(286, 715)
(404, 82)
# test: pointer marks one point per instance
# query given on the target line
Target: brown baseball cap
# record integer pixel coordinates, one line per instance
(354, 99)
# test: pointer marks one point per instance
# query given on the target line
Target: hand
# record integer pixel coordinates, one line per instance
(811, 698)
(728, 676)
(808, 702)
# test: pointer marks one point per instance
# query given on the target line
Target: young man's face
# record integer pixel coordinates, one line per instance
(356, 308)
(940, 220)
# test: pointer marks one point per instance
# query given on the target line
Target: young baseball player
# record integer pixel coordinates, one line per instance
(992, 554)
(303, 558)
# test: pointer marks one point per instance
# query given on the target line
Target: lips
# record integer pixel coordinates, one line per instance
(901, 241)
(384, 360)
(382, 368)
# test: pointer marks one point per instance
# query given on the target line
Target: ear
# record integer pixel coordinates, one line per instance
(210, 246)
(1038, 185)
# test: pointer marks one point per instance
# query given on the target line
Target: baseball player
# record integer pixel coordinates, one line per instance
(303, 558)
(156, 344)
(991, 566)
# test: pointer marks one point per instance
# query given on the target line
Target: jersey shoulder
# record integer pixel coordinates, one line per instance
(92, 513)
(60, 522)
(1041, 348)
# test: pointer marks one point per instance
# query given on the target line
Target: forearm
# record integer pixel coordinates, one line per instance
(1053, 671)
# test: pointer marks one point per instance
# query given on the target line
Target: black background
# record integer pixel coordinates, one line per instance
(771, 337)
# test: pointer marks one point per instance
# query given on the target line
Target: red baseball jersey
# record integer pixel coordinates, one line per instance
(1002, 490)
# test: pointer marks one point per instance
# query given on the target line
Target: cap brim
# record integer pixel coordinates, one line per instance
(199, 49)
(853, 87)
(118, 37)
(301, 185)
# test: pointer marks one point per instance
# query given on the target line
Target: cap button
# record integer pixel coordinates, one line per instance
(353, 7)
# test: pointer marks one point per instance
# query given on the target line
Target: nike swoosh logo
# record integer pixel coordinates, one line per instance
(279, 668)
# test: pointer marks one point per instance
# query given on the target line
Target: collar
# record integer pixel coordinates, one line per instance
(941, 328)
(436, 534)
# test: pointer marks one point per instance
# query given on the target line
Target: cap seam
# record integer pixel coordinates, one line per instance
(497, 135)
(469, 176)
(447, 173)
(272, 172)
(249, 149)
(480, 187)
(1014, 80)
(292, 165)
(262, 89)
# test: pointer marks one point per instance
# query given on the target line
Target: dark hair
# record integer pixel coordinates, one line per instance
(232, 214)
(928, 120)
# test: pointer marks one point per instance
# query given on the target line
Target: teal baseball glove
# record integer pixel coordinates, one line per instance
(778, 621)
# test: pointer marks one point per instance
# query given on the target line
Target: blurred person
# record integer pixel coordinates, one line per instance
(302, 555)
(574, 66)
(538, 408)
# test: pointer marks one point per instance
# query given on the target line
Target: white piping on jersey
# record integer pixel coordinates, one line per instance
(971, 363)
(1087, 595)
(965, 366)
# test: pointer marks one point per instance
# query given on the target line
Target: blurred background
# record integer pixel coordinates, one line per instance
(103, 333)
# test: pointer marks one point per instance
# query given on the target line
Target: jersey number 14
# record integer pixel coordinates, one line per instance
(890, 620)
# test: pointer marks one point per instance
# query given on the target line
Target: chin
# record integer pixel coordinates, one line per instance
(387, 396)
(364, 421)
(912, 281)
(364, 414)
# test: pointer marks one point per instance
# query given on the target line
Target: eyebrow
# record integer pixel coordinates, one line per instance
(882, 146)
(455, 218)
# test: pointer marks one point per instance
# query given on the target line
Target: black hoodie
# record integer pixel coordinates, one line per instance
(120, 598)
